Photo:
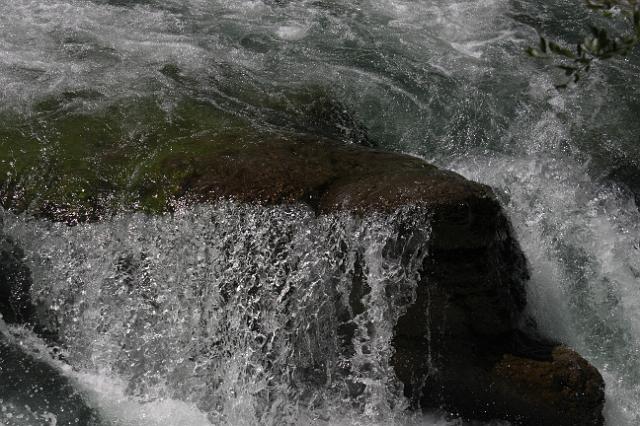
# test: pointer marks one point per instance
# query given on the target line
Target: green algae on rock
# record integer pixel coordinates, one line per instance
(78, 166)
(72, 160)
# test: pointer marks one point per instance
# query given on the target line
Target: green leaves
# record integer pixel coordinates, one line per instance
(600, 45)
(562, 51)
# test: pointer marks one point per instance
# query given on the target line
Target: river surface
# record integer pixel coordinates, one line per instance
(443, 80)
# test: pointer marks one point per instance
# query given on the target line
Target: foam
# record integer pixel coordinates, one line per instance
(580, 238)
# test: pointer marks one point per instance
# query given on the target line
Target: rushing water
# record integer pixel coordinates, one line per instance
(244, 312)
(444, 80)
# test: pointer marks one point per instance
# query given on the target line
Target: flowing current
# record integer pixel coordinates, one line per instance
(446, 81)
(243, 312)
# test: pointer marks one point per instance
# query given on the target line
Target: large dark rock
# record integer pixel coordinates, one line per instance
(460, 346)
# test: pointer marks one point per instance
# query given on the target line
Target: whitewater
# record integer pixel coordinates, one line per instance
(445, 81)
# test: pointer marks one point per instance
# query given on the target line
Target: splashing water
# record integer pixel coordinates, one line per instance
(444, 80)
(582, 243)
(253, 314)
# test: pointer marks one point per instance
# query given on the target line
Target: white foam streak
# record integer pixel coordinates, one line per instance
(119, 409)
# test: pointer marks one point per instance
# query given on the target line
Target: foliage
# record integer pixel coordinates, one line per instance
(599, 45)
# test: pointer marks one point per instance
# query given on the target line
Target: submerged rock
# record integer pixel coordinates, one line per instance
(460, 345)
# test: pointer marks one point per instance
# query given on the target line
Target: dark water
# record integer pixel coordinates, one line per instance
(447, 81)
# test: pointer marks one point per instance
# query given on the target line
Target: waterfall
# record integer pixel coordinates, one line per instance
(253, 314)
(148, 309)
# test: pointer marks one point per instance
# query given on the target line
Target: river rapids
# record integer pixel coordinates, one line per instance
(151, 340)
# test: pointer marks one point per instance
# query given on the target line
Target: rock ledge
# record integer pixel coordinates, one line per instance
(460, 346)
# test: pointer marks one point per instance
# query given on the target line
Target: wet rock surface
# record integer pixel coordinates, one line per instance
(326, 175)
(466, 320)
(459, 346)
(564, 389)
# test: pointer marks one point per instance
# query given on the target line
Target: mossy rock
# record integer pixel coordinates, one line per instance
(469, 302)
(83, 165)
(78, 158)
